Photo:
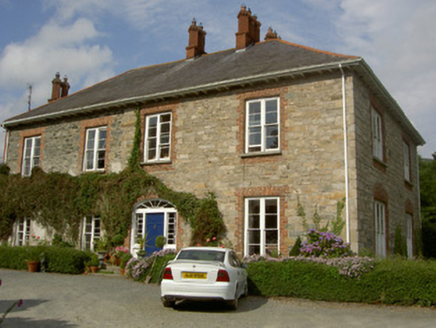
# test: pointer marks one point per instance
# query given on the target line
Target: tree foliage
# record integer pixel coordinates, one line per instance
(427, 185)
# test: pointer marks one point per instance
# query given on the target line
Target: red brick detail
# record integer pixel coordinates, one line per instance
(27, 134)
(409, 207)
(259, 94)
(248, 29)
(94, 123)
(173, 107)
(241, 194)
(197, 41)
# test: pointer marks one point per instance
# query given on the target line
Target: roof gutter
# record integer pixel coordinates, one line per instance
(184, 91)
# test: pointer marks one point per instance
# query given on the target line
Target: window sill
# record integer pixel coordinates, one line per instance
(382, 166)
(262, 154)
(167, 161)
(96, 171)
(408, 185)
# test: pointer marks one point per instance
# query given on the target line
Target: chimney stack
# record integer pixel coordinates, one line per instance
(197, 40)
(271, 35)
(65, 87)
(59, 88)
(56, 88)
(248, 29)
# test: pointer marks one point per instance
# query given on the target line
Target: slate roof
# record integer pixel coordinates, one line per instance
(230, 68)
(219, 68)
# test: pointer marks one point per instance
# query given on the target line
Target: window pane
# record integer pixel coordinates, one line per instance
(254, 114)
(254, 206)
(254, 236)
(271, 206)
(255, 137)
(254, 221)
(102, 139)
(270, 221)
(90, 140)
(165, 118)
(100, 160)
(271, 114)
(253, 249)
(272, 237)
(165, 152)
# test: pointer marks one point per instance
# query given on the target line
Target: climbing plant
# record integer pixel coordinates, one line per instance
(59, 201)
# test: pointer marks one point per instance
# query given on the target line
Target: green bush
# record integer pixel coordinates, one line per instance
(392, 281)
(55, 259)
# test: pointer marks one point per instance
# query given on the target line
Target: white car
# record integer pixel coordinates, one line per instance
(204, 273)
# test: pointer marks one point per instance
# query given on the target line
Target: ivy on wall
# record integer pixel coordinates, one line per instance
(59, 201)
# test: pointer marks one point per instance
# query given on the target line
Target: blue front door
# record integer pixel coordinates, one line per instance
(154, 226)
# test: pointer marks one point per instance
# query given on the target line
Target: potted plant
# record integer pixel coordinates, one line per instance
(160, 241)
(33, 258)
(94, 263)
(142, 243)
(124, 259)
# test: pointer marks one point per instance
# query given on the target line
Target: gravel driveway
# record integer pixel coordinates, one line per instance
(54, 300)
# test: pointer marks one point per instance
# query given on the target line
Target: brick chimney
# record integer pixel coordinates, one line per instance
(248, 29)
(65, 87)
(56, 88)
(197, 40)
(59, 88)
(271, 35)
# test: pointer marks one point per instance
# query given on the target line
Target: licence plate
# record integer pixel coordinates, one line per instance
(194, 275)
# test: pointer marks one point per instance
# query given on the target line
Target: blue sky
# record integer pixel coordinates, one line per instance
(92, 40)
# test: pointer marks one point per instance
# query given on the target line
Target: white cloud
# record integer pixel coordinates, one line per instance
(396, 37)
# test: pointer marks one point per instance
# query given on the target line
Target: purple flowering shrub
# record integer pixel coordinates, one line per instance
(329, 249)
(138, 268)
(349, 266)
(324, 244)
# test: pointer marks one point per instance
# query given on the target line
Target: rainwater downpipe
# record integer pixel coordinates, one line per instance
(5, 150)
(344, 114)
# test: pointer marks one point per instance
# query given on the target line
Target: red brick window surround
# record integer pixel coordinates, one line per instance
(31, 155)
(95, 139)
(31, 150)
(261, 122)
(262, 226)
(157, 137)
(262, 132)
(94, 158)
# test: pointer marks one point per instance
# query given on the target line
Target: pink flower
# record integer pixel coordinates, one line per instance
(20, 302)
(214, 238)
(208, 240)
(198, 244)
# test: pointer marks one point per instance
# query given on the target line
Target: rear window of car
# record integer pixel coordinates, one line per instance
(201, 255)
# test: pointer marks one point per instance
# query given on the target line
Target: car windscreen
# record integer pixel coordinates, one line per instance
(201, 255)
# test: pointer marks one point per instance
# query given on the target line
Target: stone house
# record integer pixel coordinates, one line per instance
(265, 126)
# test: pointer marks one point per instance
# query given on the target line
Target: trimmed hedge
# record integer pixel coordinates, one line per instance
(56, 259)
(392, 281)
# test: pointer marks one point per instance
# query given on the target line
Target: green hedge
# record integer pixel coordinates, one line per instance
(56, 259)
(392, 281)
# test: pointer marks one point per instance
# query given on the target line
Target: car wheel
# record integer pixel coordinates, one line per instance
(245, 290)
(233, 304)
(168, 304)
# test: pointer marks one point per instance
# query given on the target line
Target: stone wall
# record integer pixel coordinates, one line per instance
(207, 155)
(376, 178)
